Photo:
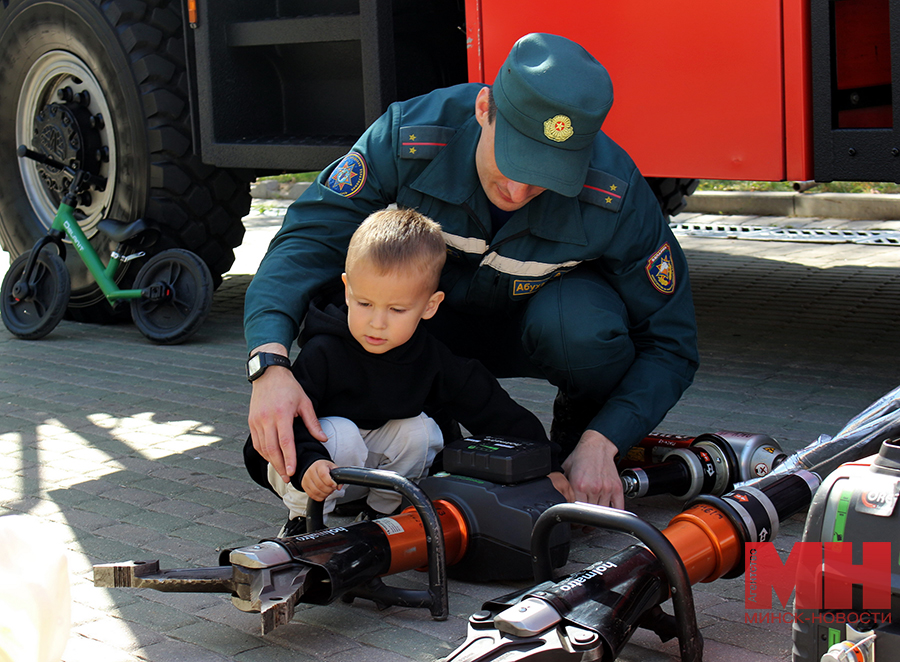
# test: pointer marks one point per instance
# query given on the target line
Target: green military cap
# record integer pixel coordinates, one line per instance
(552, 97)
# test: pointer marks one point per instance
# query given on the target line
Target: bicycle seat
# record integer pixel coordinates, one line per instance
(122, 232)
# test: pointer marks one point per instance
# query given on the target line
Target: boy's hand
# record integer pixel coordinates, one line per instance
(276, 400)
(317, 481)
(561, 483)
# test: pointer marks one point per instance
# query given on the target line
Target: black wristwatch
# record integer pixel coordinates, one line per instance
(258, 363)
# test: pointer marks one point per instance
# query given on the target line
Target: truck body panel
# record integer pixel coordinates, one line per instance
(703, 89)
(193, 99)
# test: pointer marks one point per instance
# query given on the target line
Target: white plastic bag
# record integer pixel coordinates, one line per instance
(35, 599)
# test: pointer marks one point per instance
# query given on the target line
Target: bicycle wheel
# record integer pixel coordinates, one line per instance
(32, 310)
(121, 62)
(187, 292)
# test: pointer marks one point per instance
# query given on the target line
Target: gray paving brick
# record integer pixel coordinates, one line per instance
(104, 550)
(185, 510)
(273, 511)
(136, 535)
(85, 593)
(775, 641)
(269, 654)
(339, 619)
(172, 551)
(316, 642)
(227, 485)
(156, 524)
(172, 650)
(794, 341)
(114, 509)
(123, 635)
(133, 496)
(217, 638)
(162, 485)
(215, 501)
(451, 630)
(82, 648)
(214, 537)
(419, 647)
(189, 603)
(230, 522)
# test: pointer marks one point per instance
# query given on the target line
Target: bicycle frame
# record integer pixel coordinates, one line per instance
(65, 223)
(173, 289)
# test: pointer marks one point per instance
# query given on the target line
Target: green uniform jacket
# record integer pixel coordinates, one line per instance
(421, 154)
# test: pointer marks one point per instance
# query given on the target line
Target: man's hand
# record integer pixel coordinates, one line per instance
(561, 483)
(317, 481)
(591, 471)
(276, 400)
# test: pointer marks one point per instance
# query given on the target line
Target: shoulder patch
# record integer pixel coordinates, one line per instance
(661, 270)
(423, 142)
(604, 190)
(349, 176)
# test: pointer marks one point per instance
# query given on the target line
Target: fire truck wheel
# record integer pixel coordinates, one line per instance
(117, 67)
(672, 193)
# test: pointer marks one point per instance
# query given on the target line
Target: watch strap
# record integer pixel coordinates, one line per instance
(258, 363)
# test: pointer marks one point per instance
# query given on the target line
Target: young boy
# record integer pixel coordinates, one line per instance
(371, 372)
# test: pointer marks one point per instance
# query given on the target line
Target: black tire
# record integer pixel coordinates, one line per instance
(672, 193)
(129, 55)
(37, 313)
(189, 293)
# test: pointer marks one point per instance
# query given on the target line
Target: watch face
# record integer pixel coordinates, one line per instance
(253, 365)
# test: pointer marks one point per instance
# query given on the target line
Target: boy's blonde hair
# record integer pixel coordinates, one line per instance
(400, 239)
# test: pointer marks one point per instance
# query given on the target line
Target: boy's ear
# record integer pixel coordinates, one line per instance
(346, 289)
(431, 307)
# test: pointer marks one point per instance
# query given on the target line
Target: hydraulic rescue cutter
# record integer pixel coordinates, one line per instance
(685, 467)
(494, 516)
(475, 526)
(591, 614)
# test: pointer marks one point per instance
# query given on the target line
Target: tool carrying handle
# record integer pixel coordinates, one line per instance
(435, 598)
(689, 641)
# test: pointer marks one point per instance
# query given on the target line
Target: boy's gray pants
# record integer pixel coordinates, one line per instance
(406, 446)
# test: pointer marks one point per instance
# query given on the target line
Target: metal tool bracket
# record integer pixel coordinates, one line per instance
(689, 640)
(435, 598)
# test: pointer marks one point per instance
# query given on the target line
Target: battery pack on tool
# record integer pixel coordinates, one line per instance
(499, 520)
(498, 460)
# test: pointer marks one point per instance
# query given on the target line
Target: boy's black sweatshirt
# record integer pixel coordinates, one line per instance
(422, 375)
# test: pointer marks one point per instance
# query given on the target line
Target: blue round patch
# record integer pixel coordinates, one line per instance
(349, 176)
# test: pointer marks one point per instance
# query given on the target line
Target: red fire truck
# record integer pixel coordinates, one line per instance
(181, 103)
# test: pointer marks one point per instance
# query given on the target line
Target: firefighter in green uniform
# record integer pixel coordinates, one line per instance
(560, 263)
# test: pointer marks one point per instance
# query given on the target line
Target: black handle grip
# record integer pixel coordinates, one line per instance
(24, 152)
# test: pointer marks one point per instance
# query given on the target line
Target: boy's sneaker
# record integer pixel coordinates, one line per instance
(293, 527)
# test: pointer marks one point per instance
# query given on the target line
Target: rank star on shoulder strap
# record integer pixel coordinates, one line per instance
(423, 142)
(604, 190)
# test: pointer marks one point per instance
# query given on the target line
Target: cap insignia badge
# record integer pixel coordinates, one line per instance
(559, 128)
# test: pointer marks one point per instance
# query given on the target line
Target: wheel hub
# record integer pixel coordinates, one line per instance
(67, 133)
(21, 290)
(61, 112)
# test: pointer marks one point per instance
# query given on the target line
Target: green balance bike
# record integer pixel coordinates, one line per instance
(172, 292)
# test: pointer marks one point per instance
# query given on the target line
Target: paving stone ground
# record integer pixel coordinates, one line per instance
(127, 450)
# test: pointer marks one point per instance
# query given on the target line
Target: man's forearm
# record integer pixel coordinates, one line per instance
(271, 348)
